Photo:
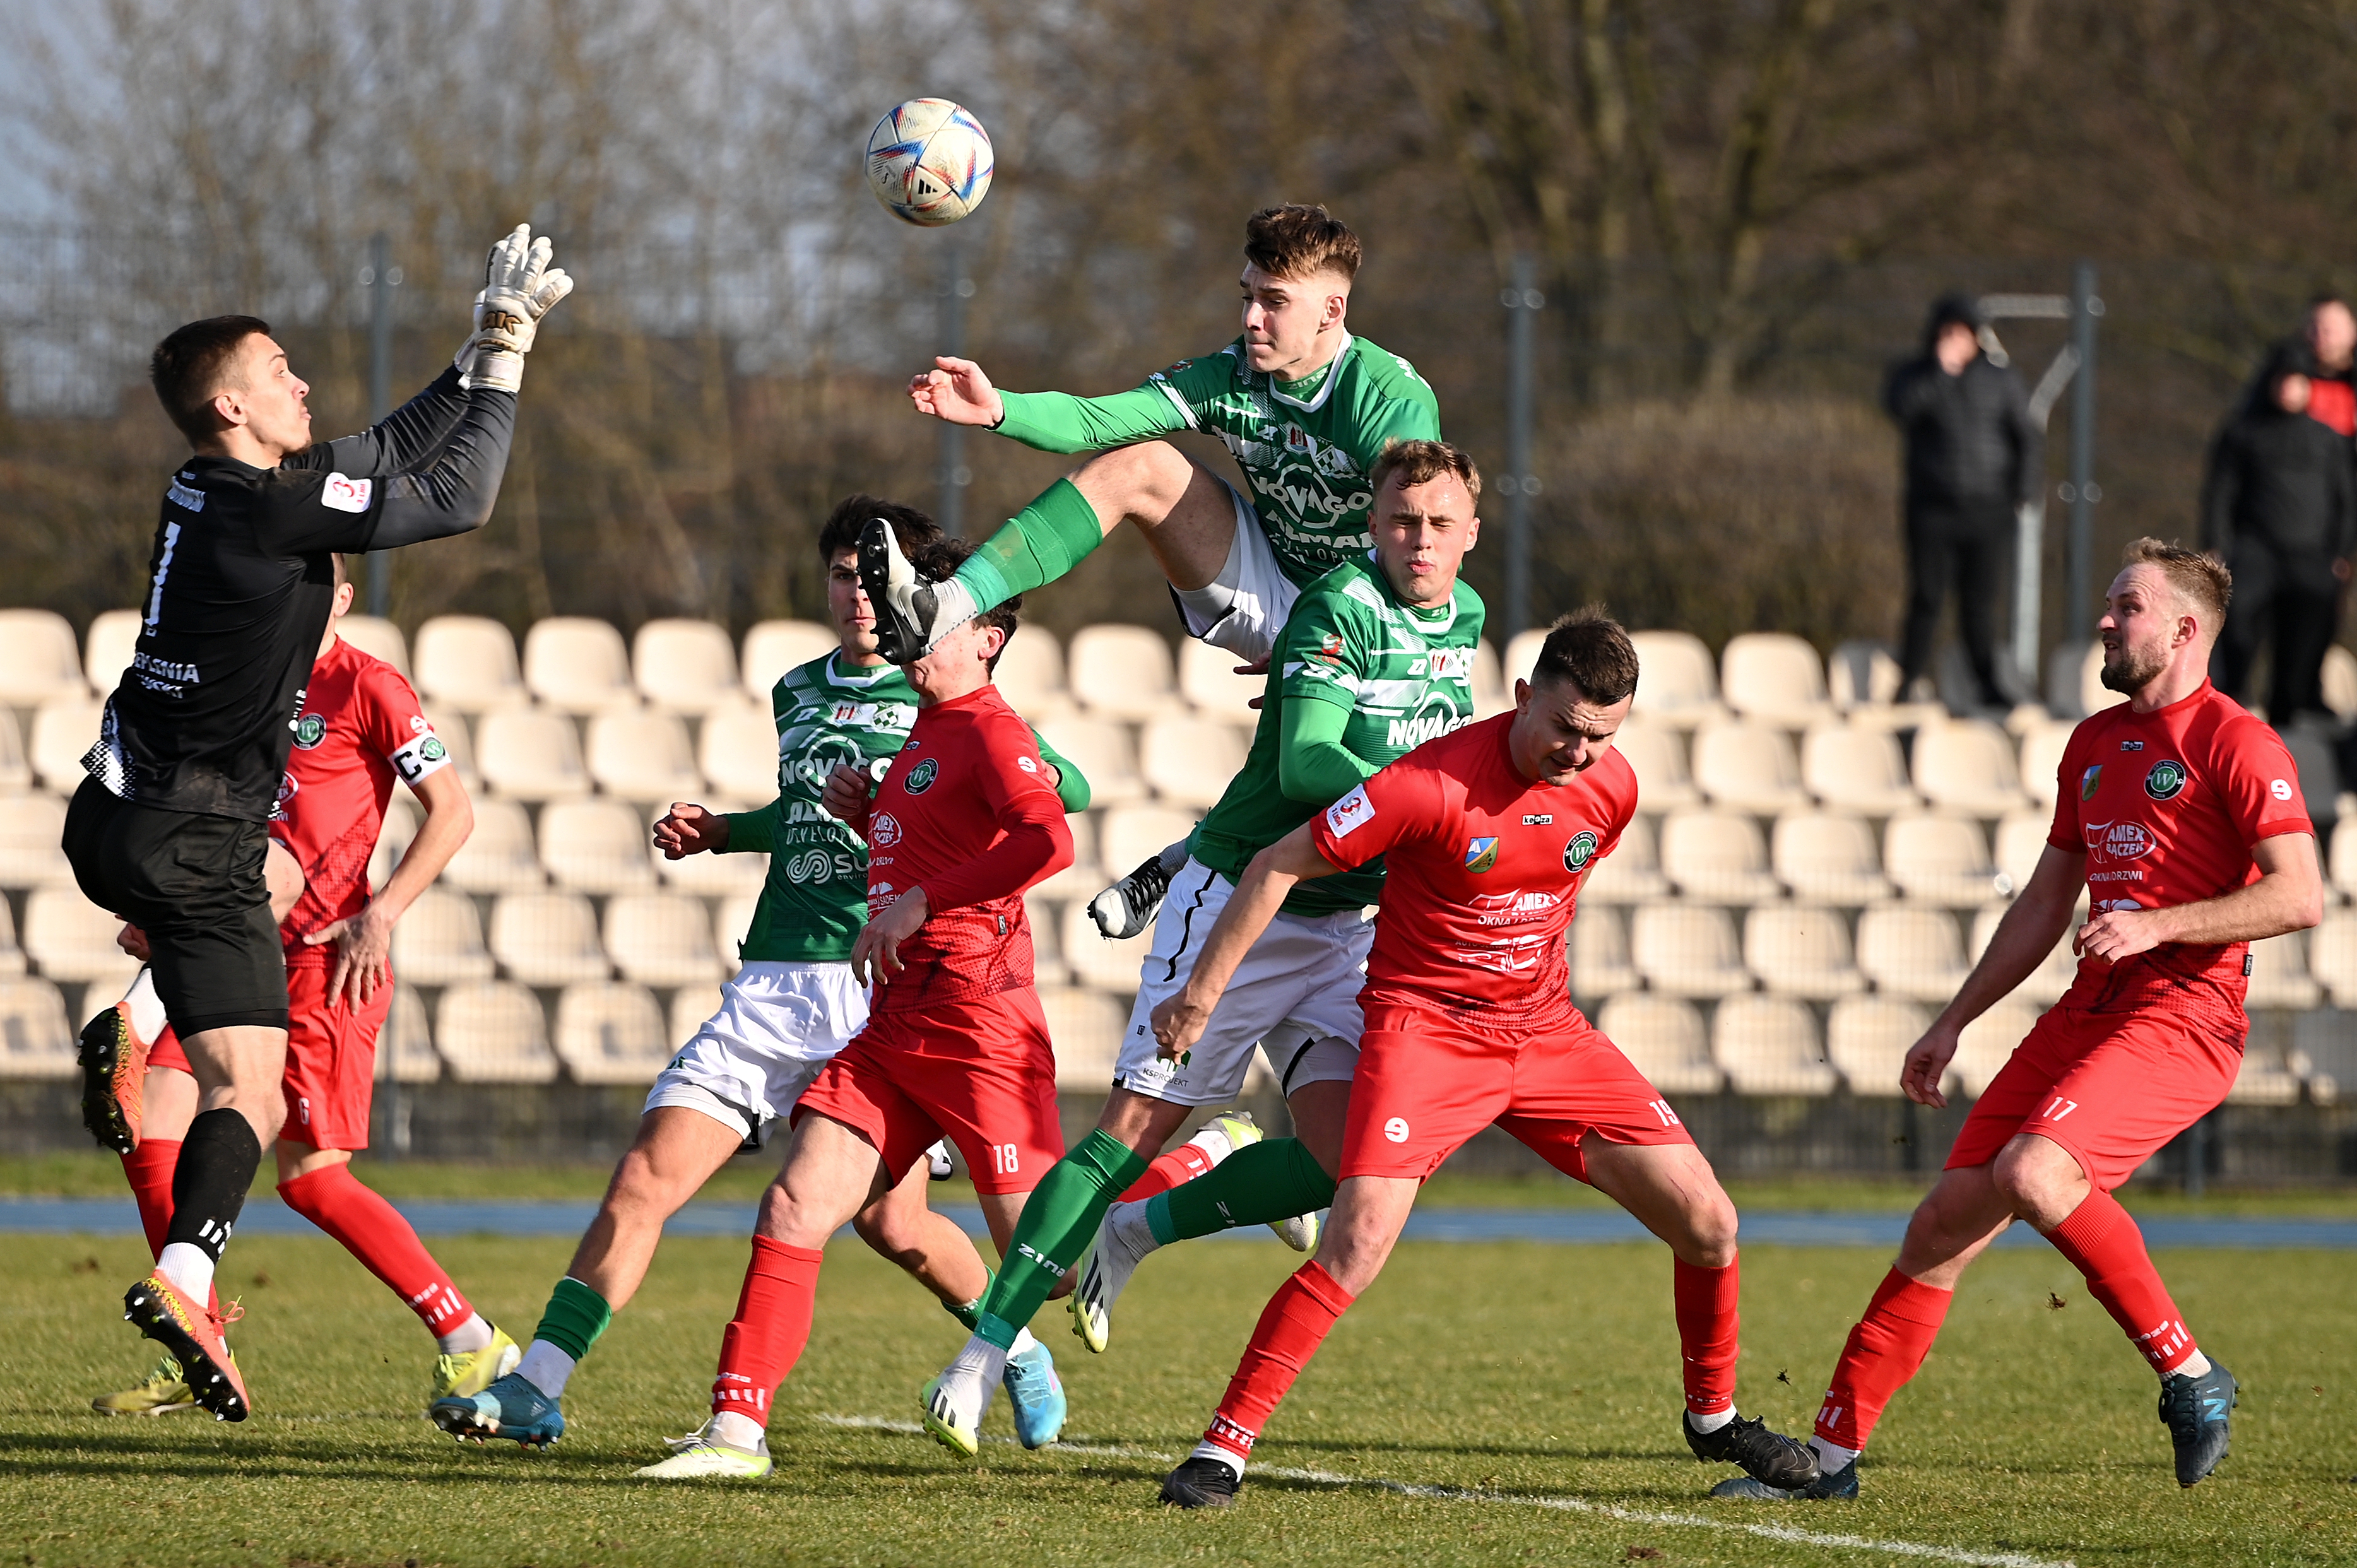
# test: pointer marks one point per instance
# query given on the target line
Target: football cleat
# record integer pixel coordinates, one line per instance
(469, 1372)
(1126, 908)
(960, 1430)
(114, 1061)
(163, 1392)
(1768, 1458)
(940, 1168)
(698, 1457)
(1301, 1231)
(2195, 1410)
(908, 611)
(1104, 1270)
(1841, 1487)
(509, 1407)
(192, 1337)
(1030, 1382)
(1200, 1483)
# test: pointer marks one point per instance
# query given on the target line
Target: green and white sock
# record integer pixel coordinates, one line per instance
(1058, 1220)
(574, 1317)
(1033, 547)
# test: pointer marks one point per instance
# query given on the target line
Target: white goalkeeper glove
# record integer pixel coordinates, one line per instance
(518, 288)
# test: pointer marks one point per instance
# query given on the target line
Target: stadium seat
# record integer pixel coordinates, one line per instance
(1717, 857)
(457, 736)
(738, 753)
(1030, 675)
(576, 664)
(39, 661)
(1100, 964)
(36, 1041)
(394, 837)
(1862, 674)
(1852, 769)
(12, 957)
(107, 648)
(72, 939)
(1125, 837)
(2264, 1077)
(1988, 1042)
(1084, 878)
(548, 938)
(611, 1031)
(499, 856)
(1086, 1027)
(376, 637)
(1522, 657)
(1491, 695)
(2042, 759)
(1663, 1037)
(1914, 953)
(16, 767)
(1967, 765)
(1099, 748)
(528, 755)
(407, 1042)
(1047, 916)
(2332, 957)
(1599, 954)
(1747, 767)
(467, 663)
(690, 1006)
(2021, 844)
(1868, 1040)
(2279, 976)
(30, 829)
(1941, 860)
(2338, 679)
(1657, 755)
(732, 917)
(64, 728)
(1207, 679)
(2313, 746)
(493, 1031)
(1678, 683)
(1829, 857)
(662, 939)
(440, 941)
(1191, 762)
(2074, 681)
(684, 666)
(1769, 1045)
(773, 647)
(1774, 678)
(1687, 949)
(1797, 950)
(595, 846)
(712, 876)
(1122, 673)
(645, 756)
(2053, 975)
(1631, 874)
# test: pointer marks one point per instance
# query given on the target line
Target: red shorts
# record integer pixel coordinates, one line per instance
(981, 1074)
(1429, 1079)
(2112, 1088)
(330, 1061)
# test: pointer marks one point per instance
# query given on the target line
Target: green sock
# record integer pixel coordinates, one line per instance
(574, 1317)
(971, 1312)
(1260, 1184)
(1034, 547)
(1058, 1220)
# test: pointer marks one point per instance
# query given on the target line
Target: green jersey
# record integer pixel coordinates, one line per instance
(1305, 446)
(1402, 675)
(827, 713)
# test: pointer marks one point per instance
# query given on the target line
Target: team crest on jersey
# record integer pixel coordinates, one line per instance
(310, 731)
(432, 750)
(2165, 780)
(1480, 854)
(2089, 780)
(921, 777)
(1579, 850)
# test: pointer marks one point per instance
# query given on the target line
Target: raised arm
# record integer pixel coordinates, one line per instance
(1313, 766)
(454, 493)
(957, 390)
(1179, 1020)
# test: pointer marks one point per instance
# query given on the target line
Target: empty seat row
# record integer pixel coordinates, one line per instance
(1968, 766)
(1690, 950)
(1825, 857)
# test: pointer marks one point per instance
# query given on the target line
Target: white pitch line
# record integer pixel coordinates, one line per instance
(1559, 1505)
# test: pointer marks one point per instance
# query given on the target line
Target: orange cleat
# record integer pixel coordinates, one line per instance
(193, 1338)
(113, 1079)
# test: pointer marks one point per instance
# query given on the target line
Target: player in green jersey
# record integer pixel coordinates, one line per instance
(1376, 658)
(1303, 406)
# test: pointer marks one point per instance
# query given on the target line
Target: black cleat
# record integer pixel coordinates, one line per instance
(908, 611)
(1127, 907)
(1200, 1483)
(114, 1061)
(1839, 1486)
(1771, 1458)
(2195, 1411)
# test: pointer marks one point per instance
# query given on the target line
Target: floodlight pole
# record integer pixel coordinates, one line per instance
(2085, 307)
(381, 281)
(1522, 302)
(955, 290)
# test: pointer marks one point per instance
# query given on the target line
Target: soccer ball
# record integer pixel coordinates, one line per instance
(930, 162)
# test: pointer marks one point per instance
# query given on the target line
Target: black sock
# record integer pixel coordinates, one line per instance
(218, 1159)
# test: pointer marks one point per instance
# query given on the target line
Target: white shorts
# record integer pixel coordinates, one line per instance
(1296, 996)
(1259, 594)
(778, 1025)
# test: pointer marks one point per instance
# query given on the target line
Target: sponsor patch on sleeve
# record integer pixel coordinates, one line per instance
(341, 493)
(1350, 813)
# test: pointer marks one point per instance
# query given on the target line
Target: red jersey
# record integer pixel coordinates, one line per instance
(2167, 807)
(965, 812)
(2332, 403)
(1484, 866)
(359, 726)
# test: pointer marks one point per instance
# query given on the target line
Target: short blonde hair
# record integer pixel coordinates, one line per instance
(2200, 581)
(1421, 462)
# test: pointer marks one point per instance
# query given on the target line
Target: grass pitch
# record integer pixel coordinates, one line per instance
(1510, 1374)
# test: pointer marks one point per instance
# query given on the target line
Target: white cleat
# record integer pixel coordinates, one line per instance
(953, 1426)
(1104, 1272)
(698, 1457)
(1301, 1231)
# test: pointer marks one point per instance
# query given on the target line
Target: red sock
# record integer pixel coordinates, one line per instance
(1291, 1327)
(148, 1168)
(1884, 1351)
(772, 1324)
(373, 1232)
(2102, 1242)
(1707, 1321)
(1179, 1166)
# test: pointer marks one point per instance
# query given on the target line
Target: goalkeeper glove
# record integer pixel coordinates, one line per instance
(518, 288)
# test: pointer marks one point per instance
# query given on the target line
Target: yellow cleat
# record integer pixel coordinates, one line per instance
(163, 1392)
(469, 1372)
(699, 1457)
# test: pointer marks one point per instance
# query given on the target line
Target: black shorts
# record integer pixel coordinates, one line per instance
(195, 885)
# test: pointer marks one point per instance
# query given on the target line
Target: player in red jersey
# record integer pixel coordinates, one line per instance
(1486, 834)
(2181, 818)
(358, 728)
(964, 821)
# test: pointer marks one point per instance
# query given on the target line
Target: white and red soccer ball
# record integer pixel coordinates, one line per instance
(930, 162)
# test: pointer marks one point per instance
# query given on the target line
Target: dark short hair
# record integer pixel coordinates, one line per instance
(1590, 650)
(840, 532)
(1421, 462)
(1300, 240)
(2329, 296)
(2198, 578)
(940, 559)
(186, 368)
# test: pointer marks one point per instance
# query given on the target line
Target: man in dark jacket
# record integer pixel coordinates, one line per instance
(1972, 456)
(2279, 504)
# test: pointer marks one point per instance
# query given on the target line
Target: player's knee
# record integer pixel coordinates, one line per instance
(786, 1217)
(889, 1232)
(1145, 478)
(1711, 1224)
(2038, 1179)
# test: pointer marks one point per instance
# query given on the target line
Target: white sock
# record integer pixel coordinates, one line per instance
(1832, 1457)
(1213, 1142)
(954, 606)
(1711, 1423)
(736, 1429)
(1023, 1341)
(475, 1334)
(546, 1368)
(147, 1018)
(971, 1378)
(190, 1268)
(2193, 1366)
(1126, 1223)
(1225, 1456)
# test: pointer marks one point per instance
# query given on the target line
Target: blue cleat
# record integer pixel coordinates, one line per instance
(1038, 1396)
(511, 1408)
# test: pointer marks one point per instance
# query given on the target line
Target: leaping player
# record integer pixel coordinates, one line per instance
(2181, 817)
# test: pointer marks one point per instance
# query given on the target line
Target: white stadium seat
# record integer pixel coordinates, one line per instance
(1599, 954)
(36, 1041)
(1190, 762)
(737, 752)
(1909, 952)
(2075, 682)
(597, 846)
(645, 755)
(2041, 760)
(1046, 914)
(2332, 957)
(548, 938)
(1664, 1039)
(1125, 837)
(1031, 674)
(440, 941)
(1677, 683)
(1101, 750)
(1868, 1040)
(16, 767)
(1717, 857)
(107, 648)
(493, 1031)
(31, 827)
(529, 755)
(1798, 951)
(1631, 874)
(712, 876)
(1829, 857)
(1100, 964)
(39, 661)
(1856, 769)
(662, 939)
(2021, 844)
(1121, 672)
(732, 920)
(1492, 694)
(1085, 877)
(1769, 1045)
(1687, 949)
(1967, 765)
(1207, 679)
(576, 664)
(612, 1033)
(467, 663)
(684, 666)
(690, 1006)
(12, 957)
(1656, 754)
(457, 737)
(499, 856)
(72, 939)
(1522, 657)
(2054, 973)
(1862, 674)
(1988, 1042)
(1942, 860)
(2279, 976)
(774, 647)
(64, 728)
(1773, 678)
(1086, 1027)
(407, 1040)
(394, 837)
(377, 638)
(1748, 767)
(2264, 1077)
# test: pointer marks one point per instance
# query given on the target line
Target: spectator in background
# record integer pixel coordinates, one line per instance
(2279, 506)
(1972, 456)
(2331, 334)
